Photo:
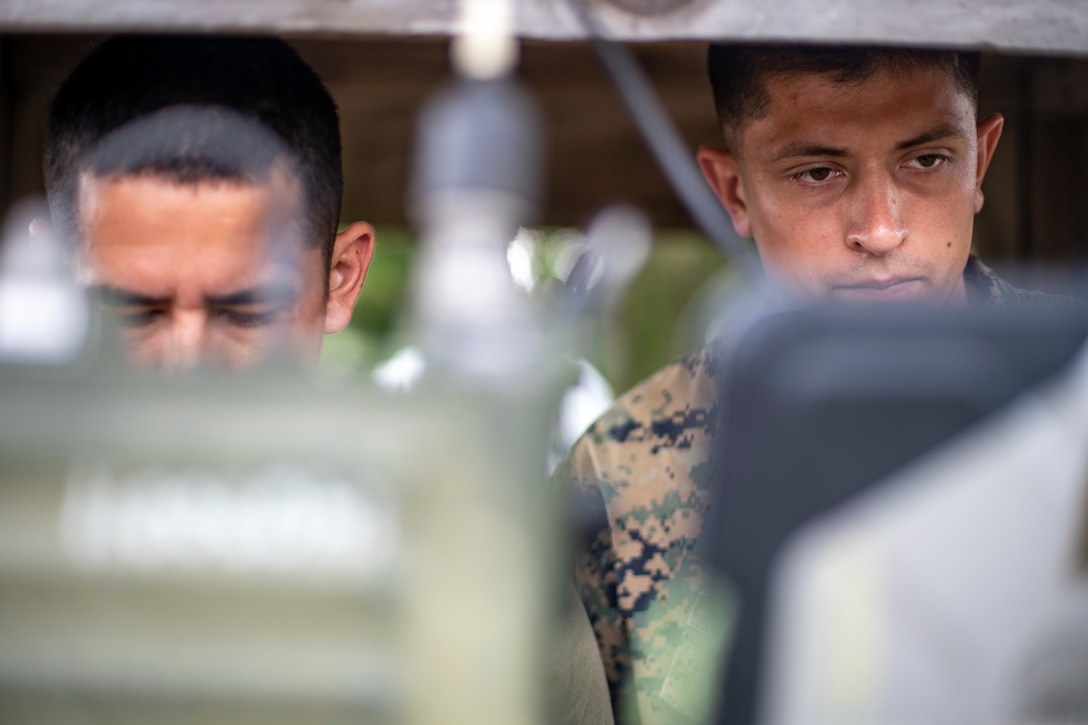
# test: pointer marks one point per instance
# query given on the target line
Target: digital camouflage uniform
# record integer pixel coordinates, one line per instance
(649, 456)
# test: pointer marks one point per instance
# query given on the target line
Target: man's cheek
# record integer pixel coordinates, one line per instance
(246, 347)
(143, 349)
(239, 350)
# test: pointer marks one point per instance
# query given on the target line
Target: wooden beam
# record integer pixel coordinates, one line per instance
(1039, 26)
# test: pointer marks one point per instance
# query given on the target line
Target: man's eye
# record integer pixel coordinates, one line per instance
(929, 161)
(817, 175)
(137, 318)
(248, 319)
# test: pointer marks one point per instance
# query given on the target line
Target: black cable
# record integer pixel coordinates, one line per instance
(667, 146)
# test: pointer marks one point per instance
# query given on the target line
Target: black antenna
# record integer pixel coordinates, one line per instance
(667, 146)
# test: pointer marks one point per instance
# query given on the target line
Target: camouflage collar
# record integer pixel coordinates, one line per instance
(985, 287)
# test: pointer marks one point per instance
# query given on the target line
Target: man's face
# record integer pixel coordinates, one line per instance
(210, 271)
(860, 191)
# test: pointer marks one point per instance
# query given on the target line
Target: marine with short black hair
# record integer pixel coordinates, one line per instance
(199, 180)
(858, 173)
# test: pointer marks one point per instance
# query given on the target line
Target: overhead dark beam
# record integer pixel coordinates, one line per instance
(1039, 26)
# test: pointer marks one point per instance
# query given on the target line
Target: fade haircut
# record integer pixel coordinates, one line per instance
(189, 144)
(739, 74)
(128, 78)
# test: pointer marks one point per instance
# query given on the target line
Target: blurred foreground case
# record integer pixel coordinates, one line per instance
(270, 550)
(900, 497)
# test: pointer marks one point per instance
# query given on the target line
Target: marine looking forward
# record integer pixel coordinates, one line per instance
(858, 173)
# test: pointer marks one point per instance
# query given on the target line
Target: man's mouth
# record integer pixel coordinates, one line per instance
(880, 290)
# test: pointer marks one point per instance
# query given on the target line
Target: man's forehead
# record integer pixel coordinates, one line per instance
(897, 105)
(938, 76)
(152, 234)
(272, 208)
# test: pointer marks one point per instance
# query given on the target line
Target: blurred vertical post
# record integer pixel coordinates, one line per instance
(483, 585)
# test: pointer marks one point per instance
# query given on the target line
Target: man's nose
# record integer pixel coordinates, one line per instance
(875, 219)
(186, 343)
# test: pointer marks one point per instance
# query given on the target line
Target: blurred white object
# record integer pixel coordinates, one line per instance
(476, 180)
(927, 600)
(284, 520)
(621, 235)
(582, 403)
(485, 47)
(44, 316)
(400, 373)
(597, 272)
(519, 256)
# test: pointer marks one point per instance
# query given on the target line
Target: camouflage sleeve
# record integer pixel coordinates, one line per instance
(649, 459)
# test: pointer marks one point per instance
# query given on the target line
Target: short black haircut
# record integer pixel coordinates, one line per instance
(739, 73)
(128, 78)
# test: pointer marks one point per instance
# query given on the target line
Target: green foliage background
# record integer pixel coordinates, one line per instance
(658, 319)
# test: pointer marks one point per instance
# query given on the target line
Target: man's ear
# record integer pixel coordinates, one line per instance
(351, 255)
(723, 174)
(989, 131)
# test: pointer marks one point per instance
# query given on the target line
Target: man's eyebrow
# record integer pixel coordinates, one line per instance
(807, 148)
(804, 148)
(125, 298)
(946, 130)
(277, 292)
